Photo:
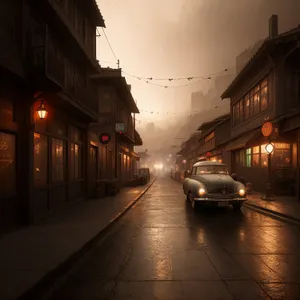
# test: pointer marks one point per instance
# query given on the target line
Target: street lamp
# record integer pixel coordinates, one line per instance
(269, 191)
(41, 111)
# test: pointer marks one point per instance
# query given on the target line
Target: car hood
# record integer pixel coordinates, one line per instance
(216, 182)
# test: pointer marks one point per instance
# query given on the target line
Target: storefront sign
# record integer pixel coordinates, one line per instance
(120, 127)
(104, 138)
(267, 129)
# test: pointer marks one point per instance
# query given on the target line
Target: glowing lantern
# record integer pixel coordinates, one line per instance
(41, 111)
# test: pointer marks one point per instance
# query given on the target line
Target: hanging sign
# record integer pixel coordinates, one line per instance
(267, 129)
(120, 127)
(104, 138)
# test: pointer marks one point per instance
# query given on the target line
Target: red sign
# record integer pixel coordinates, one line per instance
(267, 129)
(104, 138)
(208, 154)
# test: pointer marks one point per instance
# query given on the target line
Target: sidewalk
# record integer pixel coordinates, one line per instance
(287, 207)
(28, 254)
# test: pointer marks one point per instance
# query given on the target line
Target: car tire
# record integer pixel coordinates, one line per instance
(192, 201)
(237, 206)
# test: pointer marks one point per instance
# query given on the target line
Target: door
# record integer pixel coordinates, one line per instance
(93, 170)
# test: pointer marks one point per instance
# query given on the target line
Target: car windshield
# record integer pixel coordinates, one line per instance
(213, 169)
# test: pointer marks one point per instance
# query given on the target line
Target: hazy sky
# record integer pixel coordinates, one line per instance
(182, 38)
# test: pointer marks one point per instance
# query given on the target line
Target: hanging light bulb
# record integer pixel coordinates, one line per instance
(41, 111)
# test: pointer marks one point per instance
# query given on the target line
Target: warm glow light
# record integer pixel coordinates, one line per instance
(41, 111)
(242, 192)
(269, 148)
(184, 161)
(202, 192)
(158, 166)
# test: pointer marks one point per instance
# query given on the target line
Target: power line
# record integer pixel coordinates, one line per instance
(149, 80)
(110, 46)
(191, 80)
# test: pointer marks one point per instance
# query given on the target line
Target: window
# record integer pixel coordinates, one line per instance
(263, 156)
(238, 112)
(40, 160)
(253, 103)
(264, 95)
(58, 160)
(7, 165)
(209, 137)
(211, 169)
(256, 103)
(248, 157)
(251, 95)
(242, 158)
(282, 155)
(246, 107)
(256, 157)
(194, 171)
(75, 161)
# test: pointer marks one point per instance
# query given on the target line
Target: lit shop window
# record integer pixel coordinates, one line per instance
(58, 160)
(40, 159)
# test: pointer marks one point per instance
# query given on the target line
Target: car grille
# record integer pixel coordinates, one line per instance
(222, 191)
(221, 196)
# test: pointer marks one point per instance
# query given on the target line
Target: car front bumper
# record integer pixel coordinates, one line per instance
(216, 201)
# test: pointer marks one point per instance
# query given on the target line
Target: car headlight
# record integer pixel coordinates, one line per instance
(242, 192)
(202, 192)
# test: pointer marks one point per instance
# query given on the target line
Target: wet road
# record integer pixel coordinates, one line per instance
(162, 249)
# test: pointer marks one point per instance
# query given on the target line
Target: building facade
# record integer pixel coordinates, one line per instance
(118, 161)
(267, 89)
(48, 53)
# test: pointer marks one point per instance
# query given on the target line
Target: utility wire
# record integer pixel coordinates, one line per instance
(109, 44)
(149, 80)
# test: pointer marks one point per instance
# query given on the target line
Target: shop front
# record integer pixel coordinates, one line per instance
(251, 163)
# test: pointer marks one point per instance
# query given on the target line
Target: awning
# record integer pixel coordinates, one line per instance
(244, 141)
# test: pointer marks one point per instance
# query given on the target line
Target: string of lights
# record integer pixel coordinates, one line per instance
(151, 80)
(173, 113)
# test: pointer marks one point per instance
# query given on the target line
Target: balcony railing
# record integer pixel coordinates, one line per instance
(44, 63)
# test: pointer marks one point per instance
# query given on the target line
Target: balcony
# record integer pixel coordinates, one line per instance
(72, 20)
(47, 68)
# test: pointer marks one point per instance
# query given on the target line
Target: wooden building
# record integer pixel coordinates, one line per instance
(48, 51)
(116, 107)
(267, 89)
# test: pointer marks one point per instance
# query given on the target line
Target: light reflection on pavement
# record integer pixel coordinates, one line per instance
(162, 249)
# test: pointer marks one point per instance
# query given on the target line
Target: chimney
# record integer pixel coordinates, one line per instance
(273, 26)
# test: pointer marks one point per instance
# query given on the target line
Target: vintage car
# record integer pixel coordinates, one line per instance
(210, 183)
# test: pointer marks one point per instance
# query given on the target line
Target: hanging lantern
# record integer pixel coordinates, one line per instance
(41, 111)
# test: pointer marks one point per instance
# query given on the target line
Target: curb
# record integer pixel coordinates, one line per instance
(39, 290)
(273, 213)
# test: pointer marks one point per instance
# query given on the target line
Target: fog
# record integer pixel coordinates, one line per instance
(182, 38)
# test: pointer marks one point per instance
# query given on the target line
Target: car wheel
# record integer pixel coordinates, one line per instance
(237, 206)
(193, 202)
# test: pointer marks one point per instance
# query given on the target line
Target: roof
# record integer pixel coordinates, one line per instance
(114, 77)
(207, 125)
(243, 141)
(266, 46)
(98, 16)
(137, 138)
(207, 163)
